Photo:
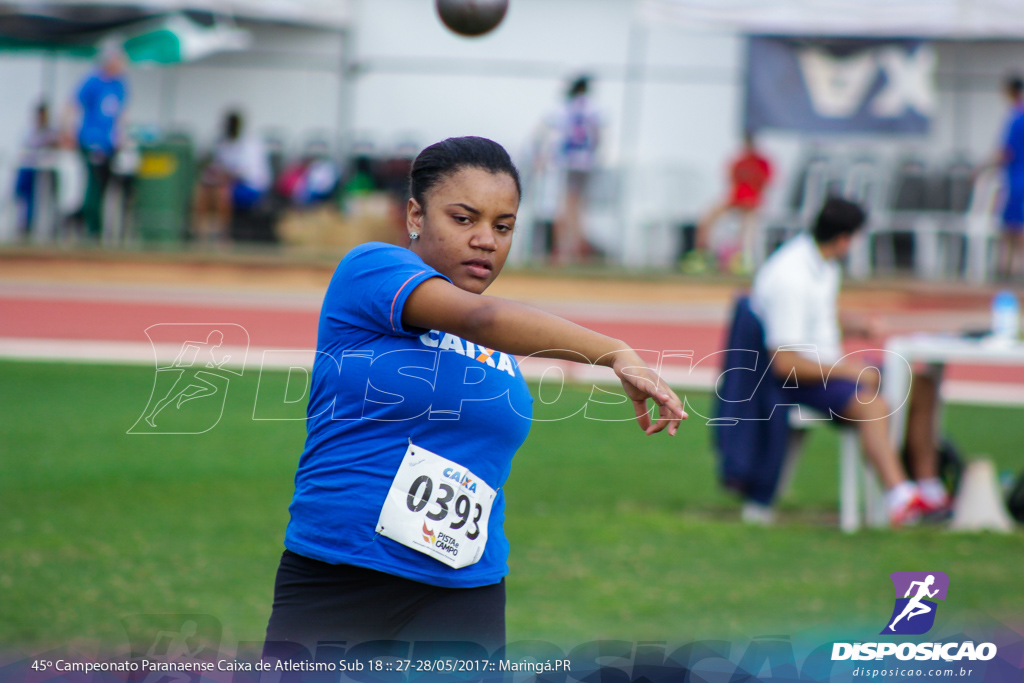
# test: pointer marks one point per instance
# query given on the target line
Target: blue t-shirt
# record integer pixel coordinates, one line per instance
(376, 384)
(1013, 144)
(102, 101)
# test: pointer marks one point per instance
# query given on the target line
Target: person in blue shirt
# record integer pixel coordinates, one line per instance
(579, 126)
(417, 407)
(1011, 252)
(100, 102)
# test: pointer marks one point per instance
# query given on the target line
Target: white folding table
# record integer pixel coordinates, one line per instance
(902, 353)
(937, 350)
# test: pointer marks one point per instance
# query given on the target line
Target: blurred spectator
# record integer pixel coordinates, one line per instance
(1011, 158)
(310, 180)
(579, 127)
(361, 181)
(41, 137)
(393, 173)
(236, 178)
(542, 179)
(749, 174)
(100, 105)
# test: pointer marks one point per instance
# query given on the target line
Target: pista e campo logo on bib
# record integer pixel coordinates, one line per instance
(916, 593)
(428, 535)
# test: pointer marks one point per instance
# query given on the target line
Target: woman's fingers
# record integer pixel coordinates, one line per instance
(648, 385)
(667, 418)
(643, 417)
(670, 416)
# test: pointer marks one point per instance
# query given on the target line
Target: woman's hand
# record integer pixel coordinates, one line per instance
(641, 383)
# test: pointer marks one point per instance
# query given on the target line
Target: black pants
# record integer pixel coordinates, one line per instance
(98, 165)
(315, 601)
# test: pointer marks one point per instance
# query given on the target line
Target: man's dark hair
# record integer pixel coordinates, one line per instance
(837, 217)
(446, 158)
(580, 86)
(1014, 86)
(233, 125)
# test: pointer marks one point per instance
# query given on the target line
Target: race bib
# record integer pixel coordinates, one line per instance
(437, 507)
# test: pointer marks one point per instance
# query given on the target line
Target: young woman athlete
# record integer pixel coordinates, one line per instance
(416, 410)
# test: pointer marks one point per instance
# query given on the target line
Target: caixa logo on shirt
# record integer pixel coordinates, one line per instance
(913, 615)
(488, 357)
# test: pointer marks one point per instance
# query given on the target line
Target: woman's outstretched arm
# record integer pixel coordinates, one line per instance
(522, 330)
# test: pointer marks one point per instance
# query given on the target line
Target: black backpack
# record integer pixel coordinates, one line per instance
(1015, 499)
(951, 465)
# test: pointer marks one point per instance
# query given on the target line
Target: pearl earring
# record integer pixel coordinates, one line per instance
(414, 235)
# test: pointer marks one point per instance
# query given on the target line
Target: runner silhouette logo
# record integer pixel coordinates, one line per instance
(916, 592)
(195, 363)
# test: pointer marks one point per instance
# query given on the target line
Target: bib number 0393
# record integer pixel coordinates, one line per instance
(419, 495)
(437, 507)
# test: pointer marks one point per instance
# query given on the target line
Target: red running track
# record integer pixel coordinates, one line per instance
(46, 318)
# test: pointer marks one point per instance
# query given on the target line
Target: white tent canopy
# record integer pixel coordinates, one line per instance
(319, 13)
(948, 19)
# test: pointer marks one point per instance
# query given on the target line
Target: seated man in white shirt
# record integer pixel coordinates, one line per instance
(795, 296)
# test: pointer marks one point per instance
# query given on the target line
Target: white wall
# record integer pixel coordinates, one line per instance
(417, 76)
(674, 129)
(972, 109)
(674, 125)
(680, 121)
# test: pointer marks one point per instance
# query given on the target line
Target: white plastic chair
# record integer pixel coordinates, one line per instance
(854, 475)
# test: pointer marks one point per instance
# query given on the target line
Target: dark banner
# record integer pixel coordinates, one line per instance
(839, 85)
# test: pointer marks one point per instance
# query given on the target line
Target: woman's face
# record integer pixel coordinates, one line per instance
(466, 231)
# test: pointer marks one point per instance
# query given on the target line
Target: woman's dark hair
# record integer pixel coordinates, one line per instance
(446, 158)
(837, 217)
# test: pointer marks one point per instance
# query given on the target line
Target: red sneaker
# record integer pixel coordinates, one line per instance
(937, 510)
(909, 513)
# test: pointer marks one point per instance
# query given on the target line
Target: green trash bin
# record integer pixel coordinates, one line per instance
(163, 190)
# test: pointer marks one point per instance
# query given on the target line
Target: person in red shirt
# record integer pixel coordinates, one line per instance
(749, 174)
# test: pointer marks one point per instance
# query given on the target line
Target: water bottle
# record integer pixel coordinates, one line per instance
(1005, 316)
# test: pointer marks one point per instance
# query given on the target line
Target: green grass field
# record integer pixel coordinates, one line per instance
(613, 534)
